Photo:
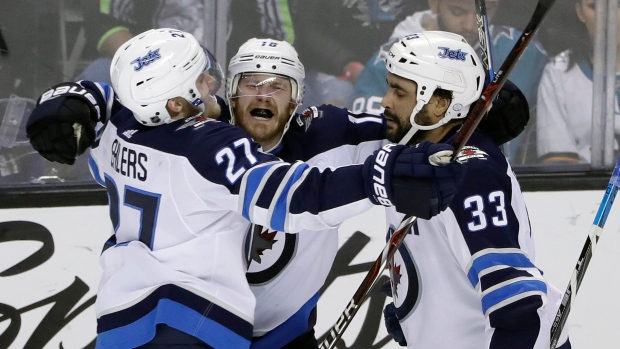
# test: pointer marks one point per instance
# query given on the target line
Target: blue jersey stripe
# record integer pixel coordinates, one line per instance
(278, 217)
(178, 308)
(290, 329)
(254, 178)
(485, 261)
(511, 290)
(175, 315)
(95, 170)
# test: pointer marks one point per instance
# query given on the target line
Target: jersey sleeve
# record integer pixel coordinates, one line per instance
(287, 197)
(106, 103)
(491, 239)
(335, 136)
(293, 197)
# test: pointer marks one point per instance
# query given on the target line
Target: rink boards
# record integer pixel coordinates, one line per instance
(49, 272)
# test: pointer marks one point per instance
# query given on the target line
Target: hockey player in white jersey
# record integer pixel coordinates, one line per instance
(465, 278)
(182, 187)
(286, 271)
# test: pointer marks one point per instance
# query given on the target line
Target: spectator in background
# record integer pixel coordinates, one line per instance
(456, 16)
(111, 23)
(564, 124)
(332, 37)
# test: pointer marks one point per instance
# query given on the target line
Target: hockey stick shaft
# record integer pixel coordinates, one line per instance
(586, 255)
(471, 122)
(490, 92)
(484, 39)
(371, 278)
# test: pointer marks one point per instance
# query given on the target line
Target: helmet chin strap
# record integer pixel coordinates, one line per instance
(407, 137)
(286, 127)
(414, 127)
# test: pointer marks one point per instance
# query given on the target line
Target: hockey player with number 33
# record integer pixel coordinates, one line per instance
(465, 278)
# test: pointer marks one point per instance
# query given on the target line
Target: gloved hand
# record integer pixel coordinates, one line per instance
(418, 180)
(508, 116)
(62, 125)
(392, 324)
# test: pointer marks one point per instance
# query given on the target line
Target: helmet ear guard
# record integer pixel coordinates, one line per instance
(434, 60)
(158, 65)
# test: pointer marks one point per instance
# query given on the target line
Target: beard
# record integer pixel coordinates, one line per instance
(267, 131)
(396, 133)
(422, 118)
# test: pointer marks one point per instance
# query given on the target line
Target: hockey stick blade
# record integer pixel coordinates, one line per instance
(586, 255)
(471, 122)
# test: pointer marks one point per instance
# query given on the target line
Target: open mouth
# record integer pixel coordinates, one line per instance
(262, 114)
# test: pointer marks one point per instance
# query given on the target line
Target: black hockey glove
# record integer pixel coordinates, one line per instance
(508, 116)
(417, 180)
(62, 125)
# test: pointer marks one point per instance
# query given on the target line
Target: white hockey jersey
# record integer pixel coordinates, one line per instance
(467, 277)
(180, 195)
(286, 271)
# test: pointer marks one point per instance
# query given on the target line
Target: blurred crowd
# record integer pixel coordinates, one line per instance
(340, 42)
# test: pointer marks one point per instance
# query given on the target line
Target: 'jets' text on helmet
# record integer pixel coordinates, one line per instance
(156, 66)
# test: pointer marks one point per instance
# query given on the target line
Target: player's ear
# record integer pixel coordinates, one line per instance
(438, 105)
(174, 107)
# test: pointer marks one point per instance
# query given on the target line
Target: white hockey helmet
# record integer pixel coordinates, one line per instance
(435, 59)
(267, 56)
(158, 65)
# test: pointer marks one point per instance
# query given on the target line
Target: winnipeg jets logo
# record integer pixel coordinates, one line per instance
(404, 276)
(446, 52)
(470, 152)
(263, 240)
(305, 118)
(395, 276)
(143, 61)
(267, 253)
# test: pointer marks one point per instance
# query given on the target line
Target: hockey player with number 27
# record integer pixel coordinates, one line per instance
(465, 278)
(182, 188)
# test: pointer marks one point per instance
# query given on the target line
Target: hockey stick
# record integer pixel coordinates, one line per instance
(585, 256)
(484, 39)
(482, 105)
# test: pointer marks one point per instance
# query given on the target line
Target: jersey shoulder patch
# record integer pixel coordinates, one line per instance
(304, 119)
(470, 152)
